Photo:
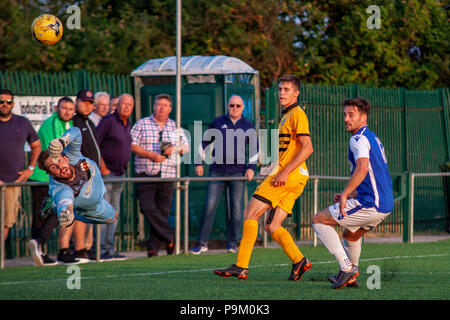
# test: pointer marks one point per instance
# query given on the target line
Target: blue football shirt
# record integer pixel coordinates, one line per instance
(376, 189)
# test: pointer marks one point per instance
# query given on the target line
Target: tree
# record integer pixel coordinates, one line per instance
(321, 41)
(338, 48)
(260, 33)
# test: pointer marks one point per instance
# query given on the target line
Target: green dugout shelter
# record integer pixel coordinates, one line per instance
(207, 84)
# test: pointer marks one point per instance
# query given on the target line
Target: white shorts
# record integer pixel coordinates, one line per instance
(357, 217)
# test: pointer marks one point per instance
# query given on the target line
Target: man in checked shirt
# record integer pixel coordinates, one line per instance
(148, 135)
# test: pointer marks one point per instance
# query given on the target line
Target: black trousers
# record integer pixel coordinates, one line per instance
(155, 200)
(41, 229)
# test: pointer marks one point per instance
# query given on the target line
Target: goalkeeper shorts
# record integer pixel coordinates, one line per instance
(103, 213)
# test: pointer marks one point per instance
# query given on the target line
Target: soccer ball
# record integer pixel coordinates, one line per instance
(47, 29)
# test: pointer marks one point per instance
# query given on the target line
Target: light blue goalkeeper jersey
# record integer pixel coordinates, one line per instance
(376, 189)
(88, 200)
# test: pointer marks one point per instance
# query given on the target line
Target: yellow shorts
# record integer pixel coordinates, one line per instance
(283, 196)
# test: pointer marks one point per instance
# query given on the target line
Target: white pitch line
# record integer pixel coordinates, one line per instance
(208, 269)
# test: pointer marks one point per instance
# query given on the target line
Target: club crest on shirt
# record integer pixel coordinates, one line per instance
(84, 166)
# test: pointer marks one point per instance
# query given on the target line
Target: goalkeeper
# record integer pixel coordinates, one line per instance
(76, 186)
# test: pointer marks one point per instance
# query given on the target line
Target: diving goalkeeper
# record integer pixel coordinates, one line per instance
(76, 186)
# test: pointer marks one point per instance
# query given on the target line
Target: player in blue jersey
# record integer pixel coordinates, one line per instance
(365, 201)
(76, 186)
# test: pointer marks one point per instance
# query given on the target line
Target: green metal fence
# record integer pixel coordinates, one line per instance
(413, 126)
(63, 83)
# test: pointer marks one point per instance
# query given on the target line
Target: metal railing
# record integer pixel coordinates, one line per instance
(412, 177)
(185, 187)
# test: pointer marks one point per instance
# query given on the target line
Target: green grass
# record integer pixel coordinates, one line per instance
(408, 271)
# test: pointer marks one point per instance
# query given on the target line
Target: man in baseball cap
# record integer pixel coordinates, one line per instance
(85, 95)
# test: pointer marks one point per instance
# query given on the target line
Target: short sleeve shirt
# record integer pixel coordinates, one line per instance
(147, 134)
(13, 135)
(376, 188)
(293, 124)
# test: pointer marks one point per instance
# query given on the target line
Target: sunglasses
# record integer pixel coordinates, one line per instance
(235, 105)
(6, 101)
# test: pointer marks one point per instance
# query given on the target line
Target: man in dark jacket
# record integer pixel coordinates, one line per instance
(115, 144)
(85, 105)
(229, 161)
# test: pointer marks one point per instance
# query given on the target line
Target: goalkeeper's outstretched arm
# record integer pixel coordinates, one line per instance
(69, 145)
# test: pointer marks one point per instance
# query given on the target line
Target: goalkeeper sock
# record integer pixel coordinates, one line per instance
(331, 241)
(284, 239)
(249, 235)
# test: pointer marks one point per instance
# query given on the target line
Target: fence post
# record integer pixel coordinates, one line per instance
(177, 218)
(2, 231)
(264, 230)
(316, 189)
(97, 241)
(408, 223)
(186, 216)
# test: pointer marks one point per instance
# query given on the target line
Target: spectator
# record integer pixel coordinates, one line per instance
(114, 104)
(156, 158)
(85, 105)
(243, 135)
(115, 145)
(52, 128)
(101, 107)
(15, 130)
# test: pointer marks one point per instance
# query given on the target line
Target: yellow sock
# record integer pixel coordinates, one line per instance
(284, 239)
(249, 235)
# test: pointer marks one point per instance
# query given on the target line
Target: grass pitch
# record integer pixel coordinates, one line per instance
(407, 271)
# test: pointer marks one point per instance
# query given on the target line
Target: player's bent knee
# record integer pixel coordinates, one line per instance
(270, 228)
(353, 236)
(323, 217)
(317, 218)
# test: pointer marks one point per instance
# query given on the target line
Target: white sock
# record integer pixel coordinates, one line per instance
(353, 250)
(332, 242)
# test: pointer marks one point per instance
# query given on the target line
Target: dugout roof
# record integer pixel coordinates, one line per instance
(193, 65)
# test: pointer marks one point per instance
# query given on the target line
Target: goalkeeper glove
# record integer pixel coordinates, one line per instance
(66, 218)
(57, 146)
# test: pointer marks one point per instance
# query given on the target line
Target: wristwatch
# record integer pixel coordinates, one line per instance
(31, 168)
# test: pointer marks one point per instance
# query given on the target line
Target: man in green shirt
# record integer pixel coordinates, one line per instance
(52, 128)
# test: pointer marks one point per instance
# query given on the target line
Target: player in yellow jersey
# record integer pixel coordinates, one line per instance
(281, 188)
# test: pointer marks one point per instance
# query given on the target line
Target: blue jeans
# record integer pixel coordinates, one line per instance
(213, 195)
(107, 231)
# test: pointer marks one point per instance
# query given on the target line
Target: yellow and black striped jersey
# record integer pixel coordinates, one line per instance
(293, 124)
